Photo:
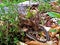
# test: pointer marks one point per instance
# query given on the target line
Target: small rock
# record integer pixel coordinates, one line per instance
(28, 3)
(23, 6)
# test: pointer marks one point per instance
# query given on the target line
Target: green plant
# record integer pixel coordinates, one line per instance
(59, 1)
(44, 7)
(12, 1)
(58, 22)
(53, 14)
(53, 30)
(10, 23)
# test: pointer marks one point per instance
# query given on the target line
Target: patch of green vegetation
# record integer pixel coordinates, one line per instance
(58, 21)
(53, 14)
(44, 7)
(10, 21)
(53, 30)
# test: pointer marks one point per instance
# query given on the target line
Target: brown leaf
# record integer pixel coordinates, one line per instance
(36, 43)
(59, 42)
